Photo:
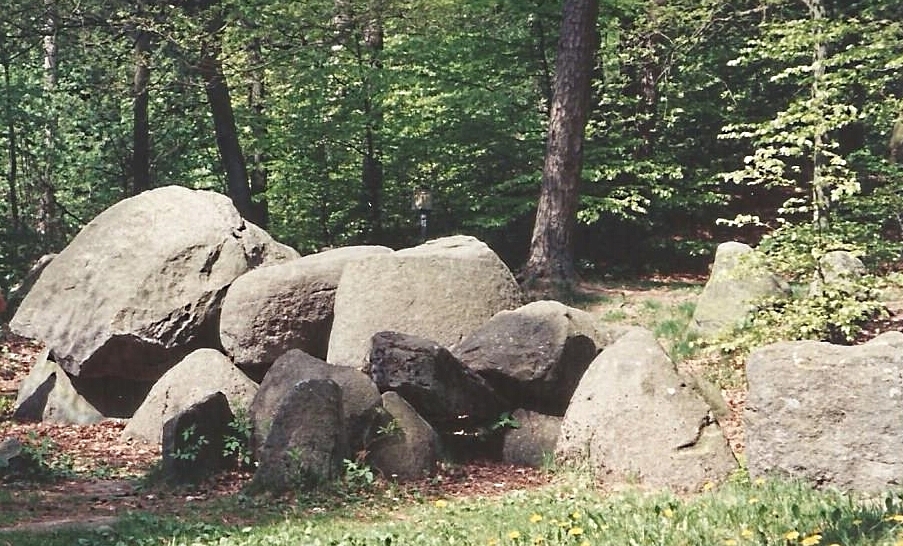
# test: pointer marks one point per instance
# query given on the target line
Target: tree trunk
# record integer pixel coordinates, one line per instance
(141, 179)
(256, 94)
(231, 157)
(551, 262)
(13, 166)
(821, 192)
(48, 221)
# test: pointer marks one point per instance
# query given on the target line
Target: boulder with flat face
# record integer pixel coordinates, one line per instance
(140, 286)
(289, 305)
(830, 414)
(442, 290)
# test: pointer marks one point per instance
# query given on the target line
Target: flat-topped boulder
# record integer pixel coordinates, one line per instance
(442, 290)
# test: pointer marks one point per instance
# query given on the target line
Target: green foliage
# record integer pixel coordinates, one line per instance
(191, 445)
(237, 446)
(44, 463)
(358, 475)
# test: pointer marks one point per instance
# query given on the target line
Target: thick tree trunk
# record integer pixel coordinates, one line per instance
(141, 179)
(231, 157)
(551, 261)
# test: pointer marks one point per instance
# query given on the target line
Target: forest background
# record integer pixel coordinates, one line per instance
(768, 121)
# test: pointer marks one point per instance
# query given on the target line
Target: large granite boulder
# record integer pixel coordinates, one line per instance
(634, 417)
(827, 413)
(532, 439)
(194, 440)
(306, 444)
(738, 280)
(447, 394)
(535, 355)
(442, 290)
(408, 448)
(47, 394)
(360, 397)
(140, 286)
(197, 376)
(289, 305)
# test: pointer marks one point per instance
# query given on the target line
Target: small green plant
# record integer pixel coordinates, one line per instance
(191, 445)
(44, 463)
(389, 429)
(237, 446)
(505, 420)
(358, 475)
(6, 407)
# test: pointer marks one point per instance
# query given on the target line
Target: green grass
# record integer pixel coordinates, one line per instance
(571, 512)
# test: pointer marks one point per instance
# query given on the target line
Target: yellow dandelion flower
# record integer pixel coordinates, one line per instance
(535, 518)
(514, 535)
(857, 522)
(730, 542)
(791, 535)
(708, 486)
(746, 533)
(811, 540)
(759, 481)
(441, 503)
(668, 513)
(753, 500)
(898, 518)
(575, 531)
(576, 514)
(492, 542)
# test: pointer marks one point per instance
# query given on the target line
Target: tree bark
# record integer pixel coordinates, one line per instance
(821, 192)
(13, 165)
(233, 162)
(141, 178)
(256, 96)
(48, 220)
(551, 261)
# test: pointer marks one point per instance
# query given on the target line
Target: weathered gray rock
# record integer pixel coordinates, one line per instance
(47, 394)
(837, 268)
(632, 416)
(827, 413)
(535, 355)
(195, 378)
(532, 442)
(738, 280)
(442, 390)
(306, 444)
(289, 305)
(411, 448)
(14, 461)
(441, 290)
(140, 286)
(194, 440)
(18, 292)
(360, 397)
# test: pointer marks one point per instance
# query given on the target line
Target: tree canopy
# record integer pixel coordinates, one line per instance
(708, 120)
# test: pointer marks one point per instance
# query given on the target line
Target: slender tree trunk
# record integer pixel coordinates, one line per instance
(231, 157)
(48, 221)
(372, 166)
(551, 261)
(12, 194)
(821, 192)
(256, 97)
(141, 126)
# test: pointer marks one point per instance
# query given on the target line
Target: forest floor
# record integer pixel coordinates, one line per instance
(96, 477)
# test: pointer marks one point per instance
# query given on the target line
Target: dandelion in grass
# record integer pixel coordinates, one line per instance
(753, 500)
(575, 531)
(584, 543)
(730, 542)
(668, 513)
(791, 535)
(746, 533)
(576, 515)
(441, 503)
(535, 518)
(492, 542)
(857, 522)
(708, 486)
(514, 535)
(897, 518)
(759, 482)
(811, 540)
